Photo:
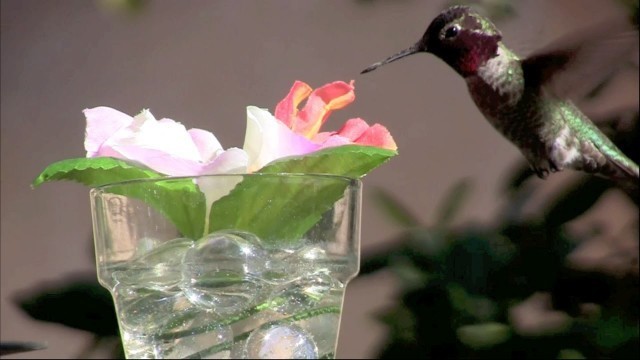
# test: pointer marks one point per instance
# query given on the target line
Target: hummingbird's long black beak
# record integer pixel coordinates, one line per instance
(404, 53)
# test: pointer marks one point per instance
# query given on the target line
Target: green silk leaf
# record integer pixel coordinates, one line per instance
(272, 210)
(276, 211)
(179, 200)
(94, 172)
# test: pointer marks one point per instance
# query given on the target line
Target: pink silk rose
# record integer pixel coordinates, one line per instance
(294, 132)
(320, 103)
(165, 146)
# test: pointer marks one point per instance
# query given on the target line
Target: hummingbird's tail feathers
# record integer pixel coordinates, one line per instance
(630, 169)
(624, 176)
(627, 170)
(624, 173)
(618, 167)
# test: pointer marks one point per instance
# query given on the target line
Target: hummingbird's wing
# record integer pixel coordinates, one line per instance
(577, 65)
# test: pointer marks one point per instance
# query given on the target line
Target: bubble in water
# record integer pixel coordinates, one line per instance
(286, 265)
(144, 310)
(324, 329)
(282, 266)
(192, 336)
(170, 252)
(161, 325)
(136, 346)
(304, 292)
(157, 268)
(312, 253)
(311, 258)
(280, 341)
(221, 272)
(145, 244)
(315, 257)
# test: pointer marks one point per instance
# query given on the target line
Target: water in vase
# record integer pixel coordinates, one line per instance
(230, 296)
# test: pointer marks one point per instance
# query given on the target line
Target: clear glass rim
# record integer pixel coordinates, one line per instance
(351, 181)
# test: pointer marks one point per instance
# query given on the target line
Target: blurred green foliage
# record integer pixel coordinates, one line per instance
(128, 7)
(462, 285)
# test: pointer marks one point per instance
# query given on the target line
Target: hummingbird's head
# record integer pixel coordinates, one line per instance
(460, 37)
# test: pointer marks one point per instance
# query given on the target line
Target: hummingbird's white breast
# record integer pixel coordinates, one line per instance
(497, 88)
(504, 74)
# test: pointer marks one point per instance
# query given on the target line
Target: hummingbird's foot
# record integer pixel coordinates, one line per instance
(544, 168)
(542, 173)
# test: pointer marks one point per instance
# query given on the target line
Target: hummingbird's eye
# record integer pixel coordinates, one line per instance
(451, 32)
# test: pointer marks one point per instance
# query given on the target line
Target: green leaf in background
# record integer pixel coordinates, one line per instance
(570, 354)
(613, 331)
(131, 7)
(484, 335)
(453, 202)
(576, 201)
(520, 174)
(277, 212)
(93, 171)
(395, 209)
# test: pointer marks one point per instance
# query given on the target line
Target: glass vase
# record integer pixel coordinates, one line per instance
(228, 266)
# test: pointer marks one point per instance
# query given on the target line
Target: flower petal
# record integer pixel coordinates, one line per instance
(335, 140)
(323, 136)
(287, 109)
(231, 161)
(267, 139)
(157, 160)
(353, 128)
(207, 144)
(320, 104)
(146, 135)
(377, 135)
(164, 146)
(102, 123)
(166, 135)
(357, 131)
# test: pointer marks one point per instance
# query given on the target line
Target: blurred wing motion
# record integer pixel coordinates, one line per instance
(579, 64)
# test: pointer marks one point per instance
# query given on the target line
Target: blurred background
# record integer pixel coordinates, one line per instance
(465, 254)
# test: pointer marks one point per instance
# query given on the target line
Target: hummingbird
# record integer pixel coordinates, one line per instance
(518, 96)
